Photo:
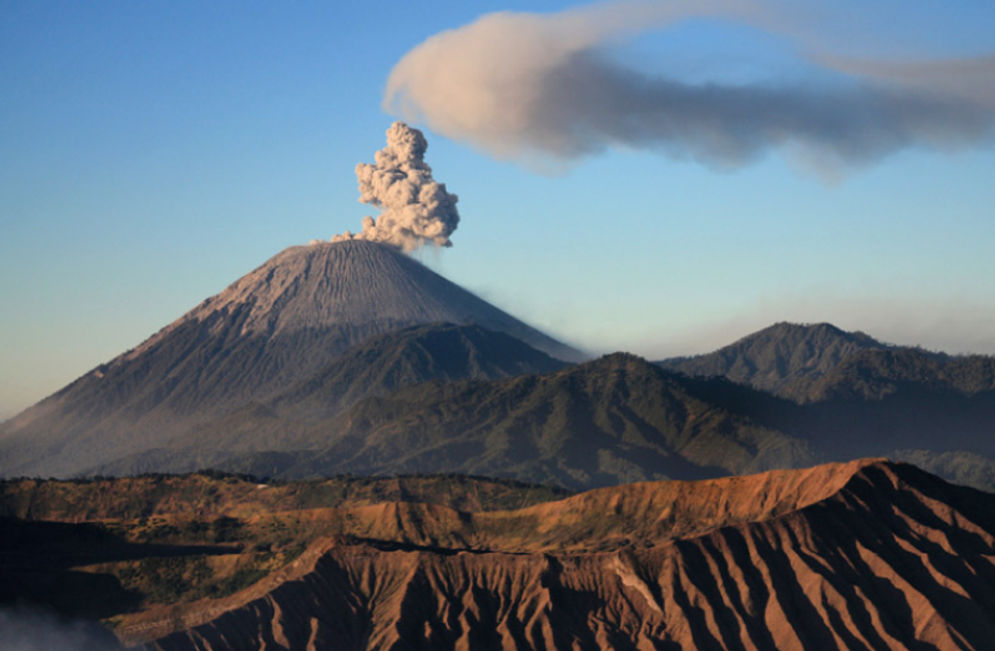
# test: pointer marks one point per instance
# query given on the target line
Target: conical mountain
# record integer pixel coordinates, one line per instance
(360, 288)
(268, 331)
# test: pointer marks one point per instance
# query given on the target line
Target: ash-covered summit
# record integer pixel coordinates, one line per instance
(270, 330)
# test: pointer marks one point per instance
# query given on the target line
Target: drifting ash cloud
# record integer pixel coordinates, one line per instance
(521, 84)
(415, 208)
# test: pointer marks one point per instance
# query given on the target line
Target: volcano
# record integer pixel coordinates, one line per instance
(269, 330)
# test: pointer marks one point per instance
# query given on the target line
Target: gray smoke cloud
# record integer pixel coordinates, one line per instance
(27, 629)
(415, 208)
(521, 84)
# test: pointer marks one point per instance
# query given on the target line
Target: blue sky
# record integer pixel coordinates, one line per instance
(153, 152)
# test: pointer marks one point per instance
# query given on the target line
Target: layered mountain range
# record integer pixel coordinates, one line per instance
(393, 461)
(354, 358)
(820, 362)
(859, 396)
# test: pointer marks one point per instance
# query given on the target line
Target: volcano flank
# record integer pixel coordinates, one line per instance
(269, 330)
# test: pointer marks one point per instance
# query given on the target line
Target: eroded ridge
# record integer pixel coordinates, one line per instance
(862, 555)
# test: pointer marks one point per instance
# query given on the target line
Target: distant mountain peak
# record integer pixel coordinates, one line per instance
(813, 330)
(818, 362)
(780, 354)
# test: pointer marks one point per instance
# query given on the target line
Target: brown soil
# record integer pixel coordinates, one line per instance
(866, 554)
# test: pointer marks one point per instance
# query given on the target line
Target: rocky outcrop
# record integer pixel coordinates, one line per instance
(848, 556)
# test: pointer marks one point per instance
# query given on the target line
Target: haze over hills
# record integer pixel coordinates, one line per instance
(812, 363)
(610, 421)
(273, 328)
(859, 396)
(614, 420)
(432, 399)
(268, 378)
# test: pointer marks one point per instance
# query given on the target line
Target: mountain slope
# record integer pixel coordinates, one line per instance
(932, 421)
(778, 359)
(610, 421)
(957, 466)
(410, 356)
(875, 374)
(296, 419)
(613, 420)
(274, 327)
(861, 398)
(813, 363)
(859, 555)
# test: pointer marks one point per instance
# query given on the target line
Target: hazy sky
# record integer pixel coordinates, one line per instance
(153, 152)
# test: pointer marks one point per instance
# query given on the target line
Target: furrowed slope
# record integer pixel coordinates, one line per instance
(278, 429)
(272, 329)
(441, 352)
(846, 556)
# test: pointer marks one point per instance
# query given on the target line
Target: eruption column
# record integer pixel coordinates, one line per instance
(415, 208)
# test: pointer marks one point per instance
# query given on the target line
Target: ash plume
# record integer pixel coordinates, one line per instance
(415, 208)
(521, 84)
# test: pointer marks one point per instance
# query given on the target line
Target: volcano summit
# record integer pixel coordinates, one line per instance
(271, 329)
